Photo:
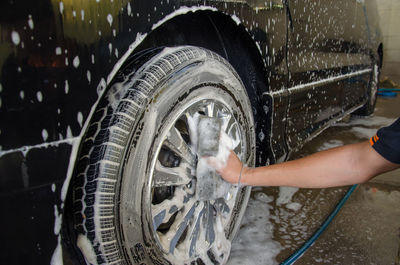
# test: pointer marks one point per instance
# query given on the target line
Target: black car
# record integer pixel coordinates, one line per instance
(99, 102)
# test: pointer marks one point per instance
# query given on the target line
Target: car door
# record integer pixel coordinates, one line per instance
(324, 60)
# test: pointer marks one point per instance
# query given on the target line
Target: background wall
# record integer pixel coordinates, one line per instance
(389, 11)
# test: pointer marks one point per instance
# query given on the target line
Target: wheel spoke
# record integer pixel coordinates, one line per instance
(158, 219)
(222, 205)
(232, 128)
(234, 134)
(192, 120)
(172, 176)
(228, 123)
(176, 143)
(210, 110)
(209, 223)
(180, 225)
(194, 230)
(226, 118)
(163, 211)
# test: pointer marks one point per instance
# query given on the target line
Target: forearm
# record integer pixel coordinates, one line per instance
(346, 165)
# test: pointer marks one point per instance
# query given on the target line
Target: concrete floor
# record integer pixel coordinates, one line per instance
(366, 231)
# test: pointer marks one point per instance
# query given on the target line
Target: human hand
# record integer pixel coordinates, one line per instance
(231, 171)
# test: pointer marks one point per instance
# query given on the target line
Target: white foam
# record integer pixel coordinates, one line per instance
(226, 144)
(26, 149)
(368, 126)
(69, 132)
(61, 7)
(30, 22)
(110, 19)
(221, 244)
(45, 135)
(15, 37)
(285, 195)
(76, 61)
(88, 75)
(110, 47)
(192, 123)
(57, 223)
(365, 133)
(253, 243)
(86, 248)
(261, 136)
(129, 9)
(39, 96)
(57, 259)
(181, 11)
(330, 144)
(319, 82)
(236, 19)
(80, 118)
(376, 121)
(66, 87)
(295, 206)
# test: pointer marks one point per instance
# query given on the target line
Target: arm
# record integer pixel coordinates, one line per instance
(346, 165)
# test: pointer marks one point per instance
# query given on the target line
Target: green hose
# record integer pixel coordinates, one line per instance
(320, 230)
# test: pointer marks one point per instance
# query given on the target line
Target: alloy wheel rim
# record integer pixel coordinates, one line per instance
(185, 228)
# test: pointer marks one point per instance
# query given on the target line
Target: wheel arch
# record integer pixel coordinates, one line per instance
(222, 34)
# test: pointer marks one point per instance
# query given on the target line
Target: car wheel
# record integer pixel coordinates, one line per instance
(369, 106)
(134, 189)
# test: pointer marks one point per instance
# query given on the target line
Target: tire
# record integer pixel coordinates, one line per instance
(369, 107)
(134, 195)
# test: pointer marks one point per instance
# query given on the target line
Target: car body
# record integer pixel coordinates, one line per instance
(304, 64)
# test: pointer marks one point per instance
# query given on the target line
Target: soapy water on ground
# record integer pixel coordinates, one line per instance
(254, 242)
(278, 221)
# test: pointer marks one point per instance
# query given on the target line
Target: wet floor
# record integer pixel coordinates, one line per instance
(367, 229)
